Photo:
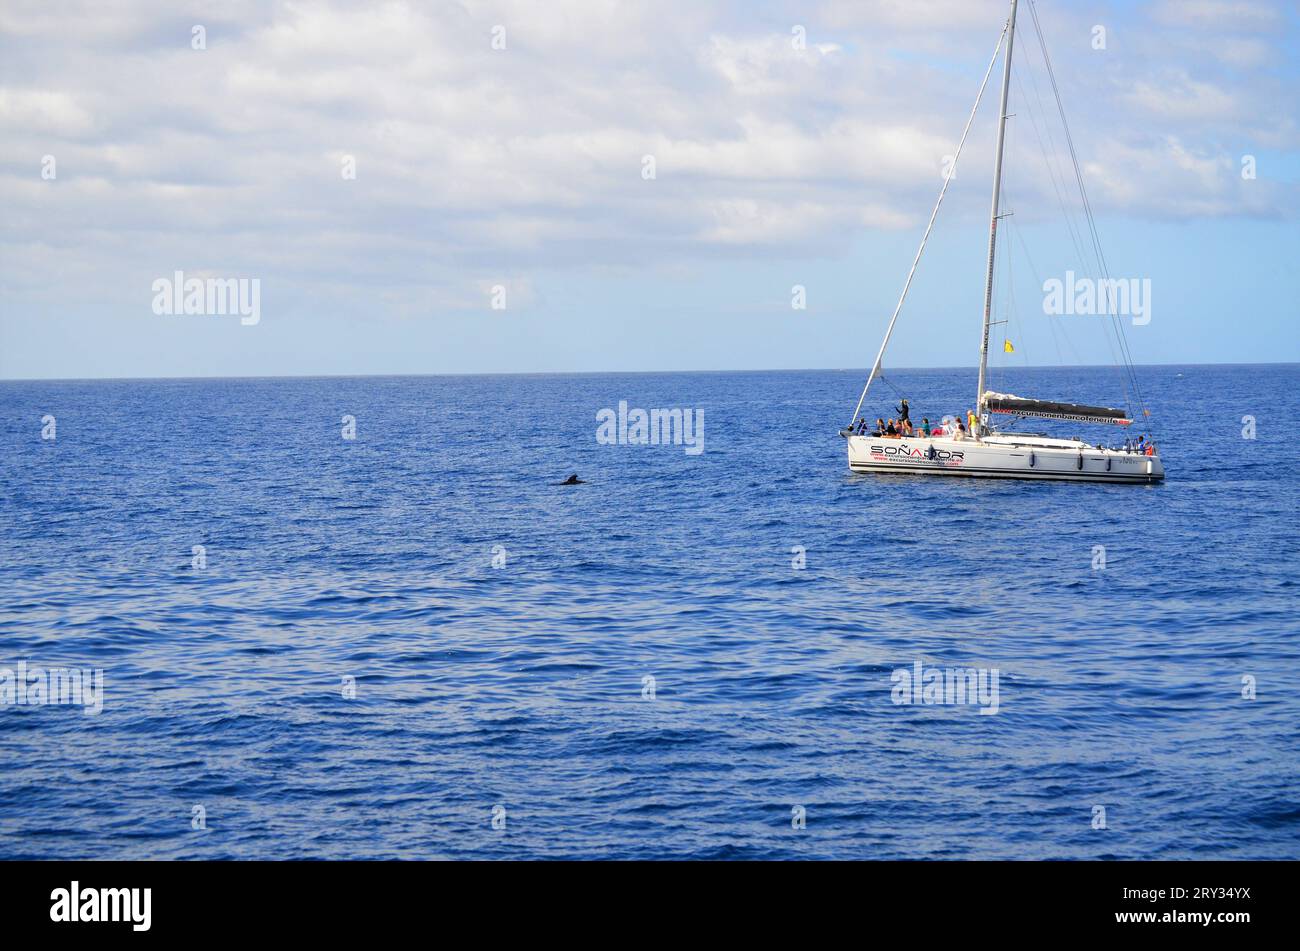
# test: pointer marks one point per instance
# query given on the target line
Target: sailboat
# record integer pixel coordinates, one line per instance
(982, 448)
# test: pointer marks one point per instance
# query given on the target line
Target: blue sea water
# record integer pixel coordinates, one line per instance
(519, 691)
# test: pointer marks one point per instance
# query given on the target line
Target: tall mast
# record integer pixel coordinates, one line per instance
(993, 215)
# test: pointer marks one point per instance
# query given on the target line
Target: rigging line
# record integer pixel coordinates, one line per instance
(1117, 323)
(1012, 319)
(1069, 139)
(875, 369)
(1119, 357)
(1058, 334)
(1017, 328)
(1053, 173)
(1051, 159)
(885, 380)
(1004, 282)
(889, 383)
(1076, 230)
(1057, 178)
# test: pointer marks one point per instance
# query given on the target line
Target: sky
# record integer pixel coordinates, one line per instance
(635, 185)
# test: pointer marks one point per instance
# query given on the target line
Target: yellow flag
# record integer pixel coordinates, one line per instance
(1007, 348)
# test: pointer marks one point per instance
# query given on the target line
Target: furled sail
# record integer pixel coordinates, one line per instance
(1051, 409)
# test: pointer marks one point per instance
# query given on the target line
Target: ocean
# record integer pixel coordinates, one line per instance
(411, 642)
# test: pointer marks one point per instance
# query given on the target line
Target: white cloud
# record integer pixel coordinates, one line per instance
(1175, 95)
(45, 111)
(474, 160)
(1219, 15)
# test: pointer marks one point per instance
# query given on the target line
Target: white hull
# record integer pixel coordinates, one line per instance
(1004, 456)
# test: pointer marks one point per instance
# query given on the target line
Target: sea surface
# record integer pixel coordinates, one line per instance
(415, 644)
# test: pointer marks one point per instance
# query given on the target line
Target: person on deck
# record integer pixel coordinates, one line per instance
(903, 411)
(972, 426)
(891, 429)
(925, 426)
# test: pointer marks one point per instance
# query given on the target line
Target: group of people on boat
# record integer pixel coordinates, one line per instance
(902, 427)
(1142, 446)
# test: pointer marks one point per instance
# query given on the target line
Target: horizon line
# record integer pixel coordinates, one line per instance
(475, 373)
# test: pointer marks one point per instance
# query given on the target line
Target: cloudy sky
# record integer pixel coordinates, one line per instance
(505, 144)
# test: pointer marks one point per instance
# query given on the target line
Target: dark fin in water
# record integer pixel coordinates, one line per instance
(572, 480)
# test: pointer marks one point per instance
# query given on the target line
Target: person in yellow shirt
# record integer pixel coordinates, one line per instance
(971, 423)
